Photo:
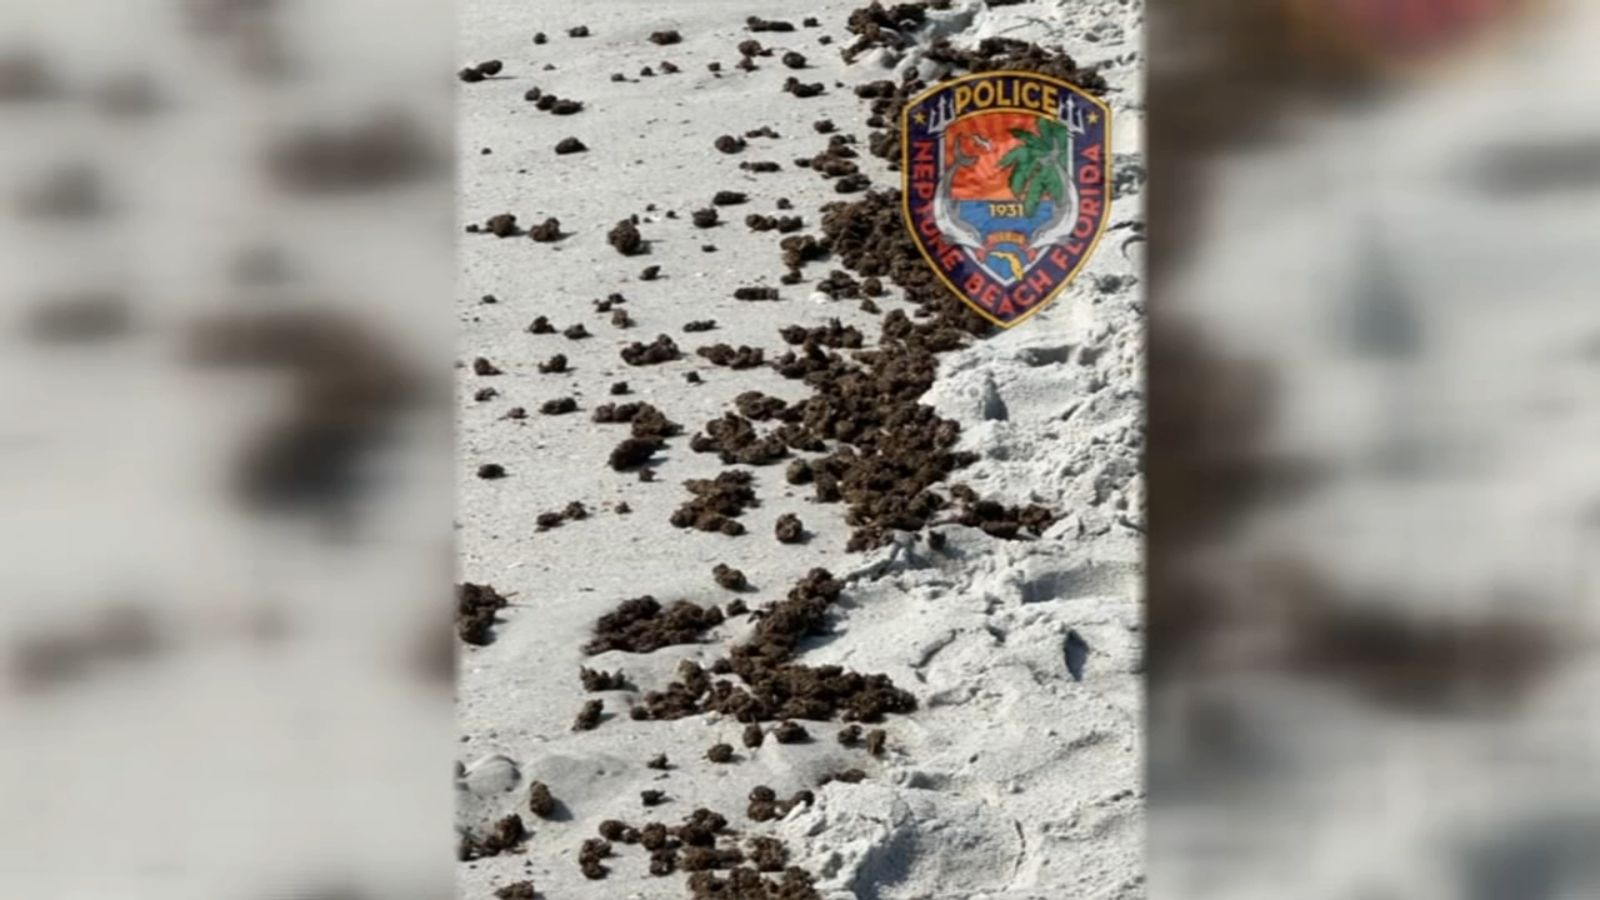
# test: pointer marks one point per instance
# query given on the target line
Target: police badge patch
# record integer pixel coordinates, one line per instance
(1005, 186)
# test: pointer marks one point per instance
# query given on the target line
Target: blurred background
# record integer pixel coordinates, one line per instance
(225, 275)
(1374, 403)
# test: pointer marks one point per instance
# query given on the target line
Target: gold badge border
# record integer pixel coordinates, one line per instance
(905, 189)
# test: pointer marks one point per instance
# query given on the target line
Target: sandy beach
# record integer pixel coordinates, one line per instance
(1018, 772)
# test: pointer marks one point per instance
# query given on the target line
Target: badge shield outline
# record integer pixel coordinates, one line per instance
(1089, 117)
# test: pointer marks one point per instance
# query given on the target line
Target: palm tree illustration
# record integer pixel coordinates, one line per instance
(1039, 164)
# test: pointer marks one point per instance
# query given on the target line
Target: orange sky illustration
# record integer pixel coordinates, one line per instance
(985, 179)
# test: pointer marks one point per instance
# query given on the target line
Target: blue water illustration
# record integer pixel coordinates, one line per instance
(1006, 233)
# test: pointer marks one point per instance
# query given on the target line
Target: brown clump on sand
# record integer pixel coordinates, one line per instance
(517, 890)
(701, 828)
(625, 238)
(761, 407)
(632, 453)
(473, 74)
(764, 805)
(799, 249)
(715, 503)
(589, 857)
(998, 520)
(657, 837)
(646, 419)
(705, 859)
(758, 24)
(663, 862)
(729, 578)
(476, 606)
(775, 688)
(661, 350)
(877, 740)
(742, 882)
(790, 733)
(727, 355)
(802, 89)
(762, 811)
(735, 439)
(789, 530)
(650, 427)
(505, 835)
(720, 753)
(546, 231)
(768, 854)
(780, 224)
(556, 518)
(642, 625)
(503, 225)
(753, 736)
(560, 106)
(540, 801)
(601, 680)
(589, 717)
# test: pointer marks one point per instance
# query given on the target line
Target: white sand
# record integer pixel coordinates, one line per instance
(1013, 779)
